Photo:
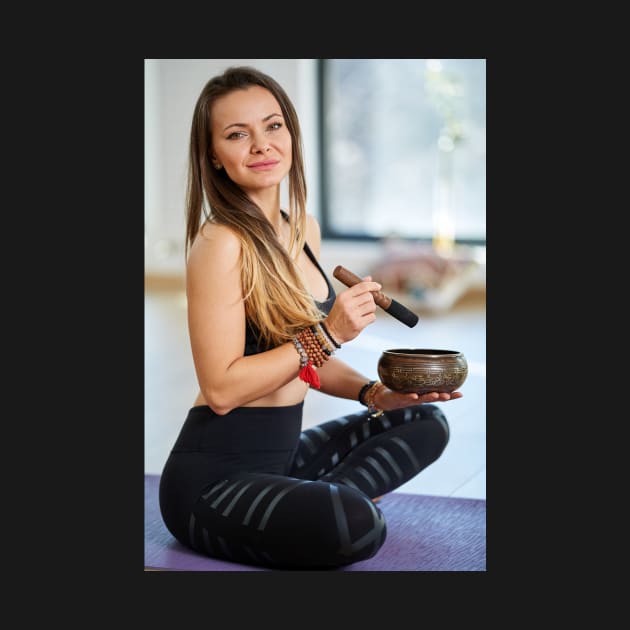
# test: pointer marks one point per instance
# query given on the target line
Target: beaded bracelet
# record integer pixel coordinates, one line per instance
(307, 371)
(314, 350)
(370, 395)
(313, 347)
(322, 340)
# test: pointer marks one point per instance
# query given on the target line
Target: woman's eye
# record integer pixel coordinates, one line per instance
(236, 135)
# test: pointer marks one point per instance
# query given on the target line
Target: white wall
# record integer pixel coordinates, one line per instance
(172, 87)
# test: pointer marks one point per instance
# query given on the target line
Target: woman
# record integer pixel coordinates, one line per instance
(242, 482)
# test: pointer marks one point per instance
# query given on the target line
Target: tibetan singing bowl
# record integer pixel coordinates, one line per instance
(421, 370)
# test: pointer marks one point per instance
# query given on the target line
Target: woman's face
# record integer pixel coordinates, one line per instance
(250, 138)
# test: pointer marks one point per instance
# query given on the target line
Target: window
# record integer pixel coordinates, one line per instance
(403, 148)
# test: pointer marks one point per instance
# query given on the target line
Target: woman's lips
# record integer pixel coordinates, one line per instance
(267, 165)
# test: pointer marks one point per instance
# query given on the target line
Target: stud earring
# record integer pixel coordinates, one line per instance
(218, 167)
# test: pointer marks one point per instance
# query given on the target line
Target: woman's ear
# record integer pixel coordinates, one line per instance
(215, 162)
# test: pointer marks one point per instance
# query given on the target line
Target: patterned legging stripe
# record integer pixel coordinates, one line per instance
(323, 449)
(321, 513)
(235, 521)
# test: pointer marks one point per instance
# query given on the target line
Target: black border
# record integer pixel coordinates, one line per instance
(90, 424)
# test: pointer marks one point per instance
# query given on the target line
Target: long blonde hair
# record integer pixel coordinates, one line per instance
(277, 304)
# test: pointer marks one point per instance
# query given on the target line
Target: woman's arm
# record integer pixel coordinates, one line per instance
(216, 322)
(338, 378)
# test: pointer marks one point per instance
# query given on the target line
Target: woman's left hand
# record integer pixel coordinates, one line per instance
(388, 399)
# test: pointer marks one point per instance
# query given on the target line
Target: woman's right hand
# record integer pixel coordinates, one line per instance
(354, 308)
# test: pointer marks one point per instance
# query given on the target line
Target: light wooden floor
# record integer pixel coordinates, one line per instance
(170, 386)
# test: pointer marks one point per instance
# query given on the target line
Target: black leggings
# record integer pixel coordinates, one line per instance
(251, 488)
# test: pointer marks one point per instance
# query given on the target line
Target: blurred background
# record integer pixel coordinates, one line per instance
(394, 153)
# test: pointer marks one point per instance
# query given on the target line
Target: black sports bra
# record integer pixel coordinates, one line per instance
(251, 336)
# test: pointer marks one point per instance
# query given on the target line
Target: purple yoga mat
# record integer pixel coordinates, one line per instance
(424, 533)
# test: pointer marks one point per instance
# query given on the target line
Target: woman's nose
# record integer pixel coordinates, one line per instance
(260, 145)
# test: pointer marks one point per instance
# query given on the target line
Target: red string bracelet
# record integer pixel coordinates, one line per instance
(307, 373)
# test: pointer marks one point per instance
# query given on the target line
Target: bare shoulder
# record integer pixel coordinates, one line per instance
(215, 242)
(313, 234)
(215, 251)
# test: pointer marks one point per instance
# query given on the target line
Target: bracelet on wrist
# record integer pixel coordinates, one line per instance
(370, 396)
(327, 333)
(314, 348)
(307, 371)
(363, 390)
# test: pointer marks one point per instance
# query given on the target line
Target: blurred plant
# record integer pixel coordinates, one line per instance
(445, 91)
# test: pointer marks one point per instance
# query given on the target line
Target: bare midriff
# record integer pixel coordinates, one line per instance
(290, 394)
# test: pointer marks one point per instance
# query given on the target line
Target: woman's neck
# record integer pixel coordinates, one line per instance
(268, 200)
